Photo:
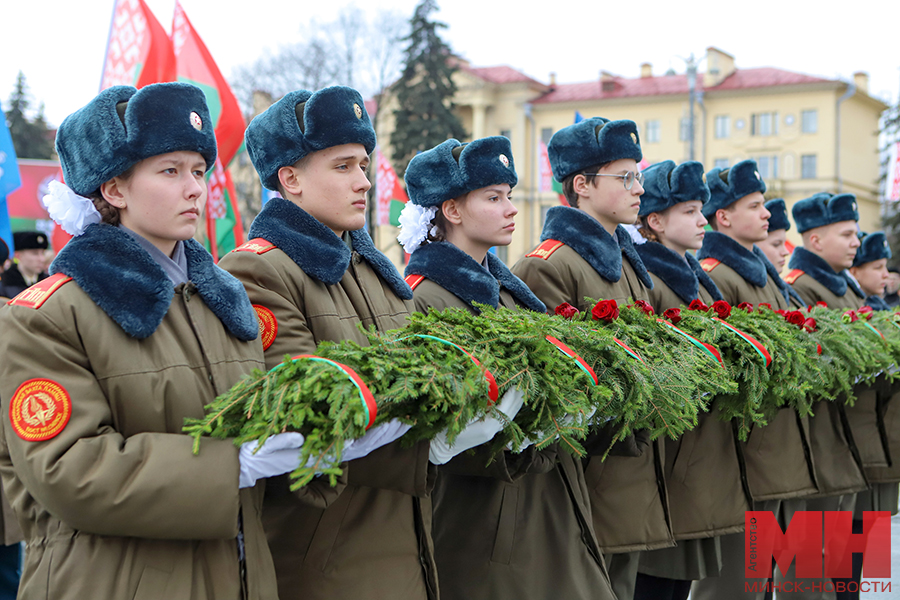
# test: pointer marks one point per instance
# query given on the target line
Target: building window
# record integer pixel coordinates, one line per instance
(723, 127)
(768, 166)
(809, 121)
(808, 166)
(721, 163)
(507, 133)
(652, 134)
(546, 134)
(764, 124)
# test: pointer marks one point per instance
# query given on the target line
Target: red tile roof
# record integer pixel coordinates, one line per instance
(500, 74)
(672, 84)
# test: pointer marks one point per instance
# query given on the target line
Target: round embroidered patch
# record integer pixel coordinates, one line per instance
(268, 325)
(358, 110)
(504, 160)
(196, 121)
(39, 410)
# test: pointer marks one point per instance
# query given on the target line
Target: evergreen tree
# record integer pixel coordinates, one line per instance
(31, 136)
(425, 90)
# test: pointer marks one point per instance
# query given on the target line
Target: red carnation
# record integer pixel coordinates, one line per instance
(722, 308)
(673, 314)
(809, 325)
(821, 304)
(865, 311)
(766, 304)
(781, 312)
(849, 316)
(795, 317)
(606, 310)
(644, 306)
(566, 310)
(697, 304)
(746, 306)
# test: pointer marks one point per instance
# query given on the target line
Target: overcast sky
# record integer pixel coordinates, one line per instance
(60, 44)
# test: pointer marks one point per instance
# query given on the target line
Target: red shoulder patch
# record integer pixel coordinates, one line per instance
(413, 280)
(791, 277)
(39, 410)
(256, 245)
(37, 294)
(546, 249)
(268, 325)
(709, 264)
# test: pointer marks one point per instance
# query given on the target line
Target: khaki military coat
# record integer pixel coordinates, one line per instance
(507, 526)
(628, 494)
(113, 502)
(374, 540)
(777, 456)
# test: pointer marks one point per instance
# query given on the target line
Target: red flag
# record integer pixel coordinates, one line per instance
(196, 65)
(138, 51)
(389, 194)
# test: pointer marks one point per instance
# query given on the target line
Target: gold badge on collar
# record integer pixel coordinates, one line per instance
(634, 138)
(504, 160)
(196, 121)
(358, 110)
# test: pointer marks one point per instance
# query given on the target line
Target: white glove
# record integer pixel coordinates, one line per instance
(476, 432)
(279, 454)
(374, 438)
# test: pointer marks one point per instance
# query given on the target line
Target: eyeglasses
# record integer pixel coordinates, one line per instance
(628, 178)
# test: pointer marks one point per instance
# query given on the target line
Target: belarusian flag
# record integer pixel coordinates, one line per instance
(548, 184)
(138, 51)
(389, 194)
(195, 65)
(223, 223)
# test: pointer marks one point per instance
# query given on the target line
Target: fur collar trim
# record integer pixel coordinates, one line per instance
(705, 280)
(459, 274)
(877, 302)
(821, 271)
(124, 280)
(677, 272)
(787, 291)
(316, 249)
(744, 262)
(586, 236)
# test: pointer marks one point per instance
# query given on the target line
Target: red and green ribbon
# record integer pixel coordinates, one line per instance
(579, 362)
(760, 349)
(365, 395)
(493, 389)
(875, 330)
(707, 349)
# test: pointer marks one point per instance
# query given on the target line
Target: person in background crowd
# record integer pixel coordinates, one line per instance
(870, 268)
(29, 267)
(891, 295)
(775, 248)
(776, 459)
(703, 470)
(505, 526)
(136, 330)
(585, 253)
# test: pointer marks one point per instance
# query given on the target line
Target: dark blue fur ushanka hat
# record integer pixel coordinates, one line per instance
(727, 186)
(779, 218)
(303, 122)
(872, 246)
(592, 142)
(824, 209)
(122, 126)
(666, 185)
(452, 169)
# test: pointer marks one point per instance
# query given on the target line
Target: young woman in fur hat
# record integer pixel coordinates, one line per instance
(706, 497)
(135, 330)
(504, 528)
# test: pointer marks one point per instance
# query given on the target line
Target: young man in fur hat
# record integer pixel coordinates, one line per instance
(314, 274)
(776, 249)
(828, 224)
(870, 268)
(775, 457)
(585, 253)
(29, 266)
